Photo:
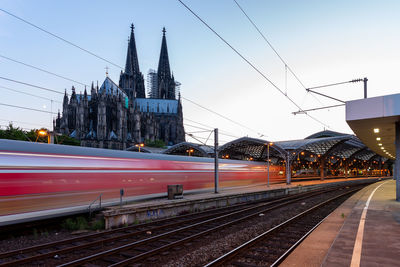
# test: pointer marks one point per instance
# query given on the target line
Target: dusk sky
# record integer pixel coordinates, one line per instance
(322, 42)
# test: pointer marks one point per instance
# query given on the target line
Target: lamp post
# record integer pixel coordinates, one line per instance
(43, 133)
(139, 146)
(190, 151)
(268, 145)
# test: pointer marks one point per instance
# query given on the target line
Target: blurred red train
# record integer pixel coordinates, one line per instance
(36, 176)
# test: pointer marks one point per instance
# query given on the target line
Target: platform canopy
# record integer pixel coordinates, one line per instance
(373, 121)
(376, 121)
(186, 148)
(328, 143)
(136, 149)
(247, 148)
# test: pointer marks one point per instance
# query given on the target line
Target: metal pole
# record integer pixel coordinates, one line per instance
(268, 165)
(216, 160)
(288, 170)
(365, 87)
(397, 161)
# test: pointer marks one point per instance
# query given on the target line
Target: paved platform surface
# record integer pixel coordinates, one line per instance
(354, 235)
(209, 193)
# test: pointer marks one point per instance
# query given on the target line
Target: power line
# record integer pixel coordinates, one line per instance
(33, 109)
(25, 93)
(197, 127)
(249, 63)
(222, 116)
(24, 122)
(220, 131)
(29, 84)
(270, 45)
(287, 67)
(43, 70)
(60, 38)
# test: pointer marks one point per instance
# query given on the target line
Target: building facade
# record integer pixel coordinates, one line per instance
(119, 116)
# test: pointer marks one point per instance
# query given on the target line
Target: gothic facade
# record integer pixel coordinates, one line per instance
(119, 116)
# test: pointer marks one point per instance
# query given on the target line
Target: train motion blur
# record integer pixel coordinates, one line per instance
(36, 176)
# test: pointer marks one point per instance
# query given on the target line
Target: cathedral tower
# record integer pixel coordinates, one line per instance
(131, 80)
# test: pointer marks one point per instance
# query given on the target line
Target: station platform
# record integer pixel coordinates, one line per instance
(148, 207)
(363, 231)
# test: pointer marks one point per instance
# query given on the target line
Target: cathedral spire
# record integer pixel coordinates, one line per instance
(166, 84)
(163, 64)
(132, 62)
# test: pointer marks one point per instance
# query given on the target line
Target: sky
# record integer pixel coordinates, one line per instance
(323, 42)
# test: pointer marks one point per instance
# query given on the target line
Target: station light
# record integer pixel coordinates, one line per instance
(139, 146)
(382, 147)
(42, 133)
(379, 144)
(378, 139)
(376, 130)
(190, 151)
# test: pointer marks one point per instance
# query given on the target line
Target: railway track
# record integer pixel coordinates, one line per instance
(131, 244)
(271, 247)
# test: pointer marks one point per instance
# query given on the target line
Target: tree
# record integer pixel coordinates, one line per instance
(17, 133)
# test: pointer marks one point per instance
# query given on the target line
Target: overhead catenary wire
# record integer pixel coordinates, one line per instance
(287, 67)
(251, 64)
(22, 122)
(222, 116)
(25, 93)
(32, 109)
(31, 85)
(42, 70)
(206, 131)
(220, 131)
(60, 38)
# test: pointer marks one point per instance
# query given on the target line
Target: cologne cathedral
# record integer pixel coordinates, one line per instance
(119, 116)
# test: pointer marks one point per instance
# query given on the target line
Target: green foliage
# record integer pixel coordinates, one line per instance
(13, 133)
(66, 140)
(16, 133)
(35, 233)
(79, 223)
(342, 215)
(155, 143)
(97, 225)
(44, 233)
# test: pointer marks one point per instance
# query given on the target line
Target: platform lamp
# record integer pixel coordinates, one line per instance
(43, 133)
(268, 163)
(139, 146)
(190, 151)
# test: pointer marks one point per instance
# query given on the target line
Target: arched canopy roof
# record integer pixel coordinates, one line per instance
(325, 133)
(338, 145)
(136, 149)
(318, 146)
(184, 147)
(251, 148)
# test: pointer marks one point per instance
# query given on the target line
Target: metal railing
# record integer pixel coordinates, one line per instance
(94, 201)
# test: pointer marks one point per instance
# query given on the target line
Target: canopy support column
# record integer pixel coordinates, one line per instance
(322, 168)
(288, 170)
